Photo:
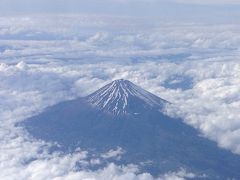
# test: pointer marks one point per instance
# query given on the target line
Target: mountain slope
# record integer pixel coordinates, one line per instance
(124, 115)
(121, 97)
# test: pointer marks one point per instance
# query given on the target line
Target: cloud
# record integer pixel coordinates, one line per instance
(180, 175)
(74, 37)
(41, 71)
(211, 105)
(113, 153)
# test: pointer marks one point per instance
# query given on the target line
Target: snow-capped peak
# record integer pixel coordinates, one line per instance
(123, 97)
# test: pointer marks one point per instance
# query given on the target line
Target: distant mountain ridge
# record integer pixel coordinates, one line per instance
(121, 114)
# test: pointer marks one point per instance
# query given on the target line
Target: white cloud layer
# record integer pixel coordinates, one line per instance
(74, 37)
(37, 71)
(211, 105)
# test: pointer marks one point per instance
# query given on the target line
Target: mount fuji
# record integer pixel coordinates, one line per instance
(121, 97)
(122, 114)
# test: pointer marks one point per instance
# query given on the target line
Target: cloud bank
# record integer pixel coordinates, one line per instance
(196, 67)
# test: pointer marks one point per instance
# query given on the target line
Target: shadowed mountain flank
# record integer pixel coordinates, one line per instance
(122, 114)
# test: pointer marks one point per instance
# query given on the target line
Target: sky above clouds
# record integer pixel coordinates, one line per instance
(179, 10)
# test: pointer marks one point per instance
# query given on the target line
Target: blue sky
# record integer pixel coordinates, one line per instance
(179, 10)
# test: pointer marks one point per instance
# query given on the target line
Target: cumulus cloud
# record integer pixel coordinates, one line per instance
(210, 105)
(75, 37)
(36, 73)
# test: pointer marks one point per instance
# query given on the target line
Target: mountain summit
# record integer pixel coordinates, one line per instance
(122, 97)
(121, 114)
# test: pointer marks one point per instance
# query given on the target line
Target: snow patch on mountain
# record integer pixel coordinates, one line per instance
(117, 97)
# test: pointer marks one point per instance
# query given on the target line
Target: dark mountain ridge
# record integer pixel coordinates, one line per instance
(121, 114)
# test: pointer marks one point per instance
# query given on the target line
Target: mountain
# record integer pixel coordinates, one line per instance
(122, 114)
(122, 97)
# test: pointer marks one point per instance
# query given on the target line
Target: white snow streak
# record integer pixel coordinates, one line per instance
(115, 97)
